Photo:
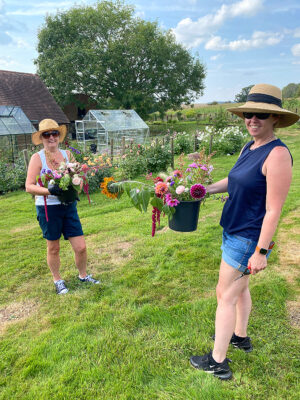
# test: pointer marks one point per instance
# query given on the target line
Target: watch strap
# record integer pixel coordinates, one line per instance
(261, 250)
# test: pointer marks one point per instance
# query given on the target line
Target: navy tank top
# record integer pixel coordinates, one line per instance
(244, 210)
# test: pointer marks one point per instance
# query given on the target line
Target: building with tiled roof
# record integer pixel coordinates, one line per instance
(30, 93)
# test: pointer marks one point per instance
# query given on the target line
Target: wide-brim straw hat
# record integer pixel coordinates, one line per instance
(266, 98)
(48, 125)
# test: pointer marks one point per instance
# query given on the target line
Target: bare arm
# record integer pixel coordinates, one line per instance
(279, 177)
(34, 169)
(218, 187)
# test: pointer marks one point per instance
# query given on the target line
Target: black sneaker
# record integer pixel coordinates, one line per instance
(209, 365)
(61, 287)
(244, 344)
(89, 279)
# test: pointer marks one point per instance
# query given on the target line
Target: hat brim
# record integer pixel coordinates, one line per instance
(287, 117)
(36, 136)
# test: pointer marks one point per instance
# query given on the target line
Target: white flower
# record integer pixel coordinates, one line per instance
(180, 189)
(76, 181)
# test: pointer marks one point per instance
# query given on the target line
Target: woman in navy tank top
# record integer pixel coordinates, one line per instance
(63, 218)
(257, 186)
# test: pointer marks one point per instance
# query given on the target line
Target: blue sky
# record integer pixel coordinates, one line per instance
(241, 42)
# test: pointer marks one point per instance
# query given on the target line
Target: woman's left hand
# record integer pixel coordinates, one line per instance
(257, 262)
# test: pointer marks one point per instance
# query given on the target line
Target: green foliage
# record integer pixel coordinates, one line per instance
(158, 157)
(242, 96)
(220, 120)
(291, 90)
(227, 141)
(12, 175)
(160, 73)
(183, 143)
(95, 180)
(191, 113)
(139, 160)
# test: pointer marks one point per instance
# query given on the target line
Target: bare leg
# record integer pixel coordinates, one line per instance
(228, 293)
(79, 247)
(53, 259)
(243, 309)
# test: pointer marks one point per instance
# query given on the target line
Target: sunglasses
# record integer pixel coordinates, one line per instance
(250, 115)
(46, 135)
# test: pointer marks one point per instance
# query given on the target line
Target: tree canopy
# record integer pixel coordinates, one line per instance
(242, 96)
(291, 90)
(118, 60)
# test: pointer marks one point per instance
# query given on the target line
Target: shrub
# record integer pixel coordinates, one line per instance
(139, 159)
(12, 175)
(190, 113)
(226, 141)
(182, 143)
(158, 157)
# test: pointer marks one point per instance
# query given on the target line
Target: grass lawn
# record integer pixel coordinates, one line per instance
(131, 338)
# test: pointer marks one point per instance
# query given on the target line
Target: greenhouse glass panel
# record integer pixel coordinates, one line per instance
(111, 126)
(13, 121)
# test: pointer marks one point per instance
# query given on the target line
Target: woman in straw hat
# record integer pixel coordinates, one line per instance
(257, 185)
(63, 218)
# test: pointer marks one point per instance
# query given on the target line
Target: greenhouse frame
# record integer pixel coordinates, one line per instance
(99, 127)
(15, 129)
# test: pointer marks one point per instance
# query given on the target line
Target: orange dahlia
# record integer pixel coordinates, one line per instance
(161, 188)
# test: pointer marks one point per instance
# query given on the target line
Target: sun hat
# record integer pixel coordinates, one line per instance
(266, 98)
(48, 125)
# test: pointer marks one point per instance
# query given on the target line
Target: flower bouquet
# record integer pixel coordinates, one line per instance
(172, 194)
(70, 177)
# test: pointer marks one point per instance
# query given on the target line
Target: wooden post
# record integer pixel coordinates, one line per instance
(112, 149)
(163, 141)
(172, 152)
(195, 142)
(26, 158)
(131, 143)
(210, 143)
(123, 145)
(156, 141)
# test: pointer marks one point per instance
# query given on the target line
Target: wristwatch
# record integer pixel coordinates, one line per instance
(261, 250)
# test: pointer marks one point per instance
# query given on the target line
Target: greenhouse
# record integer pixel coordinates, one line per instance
(15, 130)
(101, 128)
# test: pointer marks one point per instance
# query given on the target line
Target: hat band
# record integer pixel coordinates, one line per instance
(264, 98)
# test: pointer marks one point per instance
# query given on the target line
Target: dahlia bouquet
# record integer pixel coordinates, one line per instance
(167, 190)
(70, 177)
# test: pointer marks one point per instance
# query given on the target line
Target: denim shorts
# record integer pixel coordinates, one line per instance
(61, 220)
(236, 251)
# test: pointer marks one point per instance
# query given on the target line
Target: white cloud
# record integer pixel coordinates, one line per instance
(258, 40)
(192, 33)
(42, 8)
(214, 58)
(7, 62)
(296, 50)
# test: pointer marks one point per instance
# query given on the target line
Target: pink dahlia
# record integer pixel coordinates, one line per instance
(198, 191)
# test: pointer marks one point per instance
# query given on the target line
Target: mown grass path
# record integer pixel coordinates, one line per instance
(132, 337)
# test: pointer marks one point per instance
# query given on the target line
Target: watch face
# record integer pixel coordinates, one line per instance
(263, 251)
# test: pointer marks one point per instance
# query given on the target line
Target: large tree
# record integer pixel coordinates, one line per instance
(116, 59)
(242, 96)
